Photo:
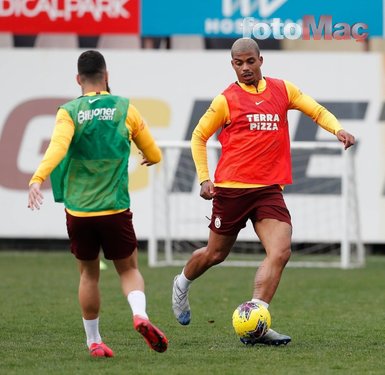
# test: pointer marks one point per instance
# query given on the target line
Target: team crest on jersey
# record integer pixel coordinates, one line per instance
(217, 222)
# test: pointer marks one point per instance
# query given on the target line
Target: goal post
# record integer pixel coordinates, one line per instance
(322, 200)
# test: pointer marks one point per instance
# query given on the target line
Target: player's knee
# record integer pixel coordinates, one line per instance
(216, 258)
(282, 256)
(285, 255)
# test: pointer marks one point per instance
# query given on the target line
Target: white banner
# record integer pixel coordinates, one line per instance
(171, 90)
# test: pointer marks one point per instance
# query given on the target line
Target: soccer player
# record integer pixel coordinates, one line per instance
(87, 159)
(254, 167)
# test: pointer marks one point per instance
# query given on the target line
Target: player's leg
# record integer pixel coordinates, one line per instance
(120, 245)
(272, 224)
(89, 300)
(85, 246)
(130, 277)
(227, 218)
(132, 285)
(275, 236)
(216, 251)
(89, 295)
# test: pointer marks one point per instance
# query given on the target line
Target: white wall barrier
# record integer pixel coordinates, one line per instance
(172, 89)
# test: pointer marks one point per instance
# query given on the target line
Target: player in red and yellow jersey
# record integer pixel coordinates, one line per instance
(87, 160)
(254, 166)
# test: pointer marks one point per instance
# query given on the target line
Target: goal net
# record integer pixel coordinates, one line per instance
(322, 202)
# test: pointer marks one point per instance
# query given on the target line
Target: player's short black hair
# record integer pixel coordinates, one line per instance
(91, 64)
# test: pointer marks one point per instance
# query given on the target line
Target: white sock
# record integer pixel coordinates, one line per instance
(183, 282)
(92, 331)
(263, 303)
(137, 302)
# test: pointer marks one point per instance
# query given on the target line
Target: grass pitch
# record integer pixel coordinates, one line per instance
(336, 319)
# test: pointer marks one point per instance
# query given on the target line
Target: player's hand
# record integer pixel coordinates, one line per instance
(346, 138)
(207, 190)
(35, 196)
(144, 160)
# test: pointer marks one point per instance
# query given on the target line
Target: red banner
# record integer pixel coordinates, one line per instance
(84, 17)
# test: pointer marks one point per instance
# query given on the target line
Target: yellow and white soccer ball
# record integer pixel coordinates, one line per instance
(251, 320)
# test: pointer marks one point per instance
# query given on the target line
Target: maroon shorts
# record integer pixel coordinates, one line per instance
(232, 207)
(114, 234)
